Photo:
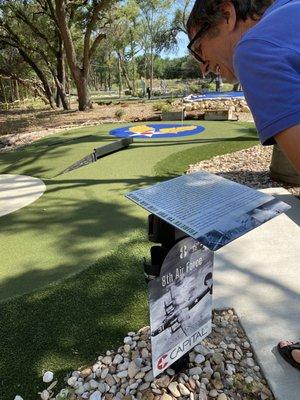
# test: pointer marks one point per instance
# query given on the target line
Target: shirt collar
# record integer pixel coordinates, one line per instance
(275, 5)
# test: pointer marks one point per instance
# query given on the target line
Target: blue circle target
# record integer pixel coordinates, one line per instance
(157, 131)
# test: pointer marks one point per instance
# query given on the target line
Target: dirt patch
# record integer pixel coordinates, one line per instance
(20, 127)
(22, 121)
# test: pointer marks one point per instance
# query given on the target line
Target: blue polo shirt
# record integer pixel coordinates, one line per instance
(267, 63)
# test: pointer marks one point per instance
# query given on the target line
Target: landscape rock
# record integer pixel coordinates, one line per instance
(173, 388)
(129, 376)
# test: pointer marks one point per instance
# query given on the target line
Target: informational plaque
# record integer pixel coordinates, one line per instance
(209, 208)
(180, 303)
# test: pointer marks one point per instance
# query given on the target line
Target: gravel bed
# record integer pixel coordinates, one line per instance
(18, 141)
(249, 167)
(223, 367)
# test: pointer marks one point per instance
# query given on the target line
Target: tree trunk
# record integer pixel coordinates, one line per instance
(61, 76)
(12, 91)
(83, 93)
(47, 88)
(120, 77)
(109, 72)
(3, 91)
(151, 69)
(17, 90)
(124, 71)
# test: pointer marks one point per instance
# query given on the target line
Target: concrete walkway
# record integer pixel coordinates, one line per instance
(259, 276)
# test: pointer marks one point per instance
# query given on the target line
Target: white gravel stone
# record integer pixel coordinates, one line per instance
(211, 373)
(249, 379)
(250, 362)
(170, 372)
(48, 377)
(149, 376)
(133, 369)
(199, 359)
(201, 350)
(104, 373)
(183, 389)
(173, 388)
(195, 371)
(202, 394)
(213, 393)
(144, 386)
(231, 369)
(72, 381)
(163, 381)
(166, 396)
(96, 395)
(128, 340)
(45, 395)
(80, 390)
(122, 374)
(107, 360)
(102, 387)
(217, 358)
(127, 348)
(208, 371)
(140, 375)
(117, 359)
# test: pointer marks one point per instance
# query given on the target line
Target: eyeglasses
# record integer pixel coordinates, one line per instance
(198, 35)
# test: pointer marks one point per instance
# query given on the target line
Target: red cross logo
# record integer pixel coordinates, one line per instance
(161, 364)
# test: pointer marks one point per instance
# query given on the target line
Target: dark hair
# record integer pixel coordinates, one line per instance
(209, 11)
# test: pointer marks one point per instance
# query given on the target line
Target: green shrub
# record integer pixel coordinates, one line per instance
(119, 114)
(166, 108)
(158, 106)
(163, 106)
(194, 88)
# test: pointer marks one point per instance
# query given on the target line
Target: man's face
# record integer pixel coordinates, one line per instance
(216, 48)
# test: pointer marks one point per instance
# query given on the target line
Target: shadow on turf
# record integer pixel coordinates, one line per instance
(145, 143)
(47, 151)
(70, 225)
(68, 324)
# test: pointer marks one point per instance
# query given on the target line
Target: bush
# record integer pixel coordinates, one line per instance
(156, 93)
(194, 88)
(119, 114)
(166, 108)
(162, 106)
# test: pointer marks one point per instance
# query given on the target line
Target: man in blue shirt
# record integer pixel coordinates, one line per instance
(256, 42)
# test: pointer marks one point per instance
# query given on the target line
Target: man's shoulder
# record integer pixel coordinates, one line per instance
(276, 27)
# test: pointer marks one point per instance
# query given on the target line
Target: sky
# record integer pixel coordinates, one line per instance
(181, 51)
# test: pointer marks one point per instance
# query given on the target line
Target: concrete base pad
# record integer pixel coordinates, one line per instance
(18, 191)
(259, 276)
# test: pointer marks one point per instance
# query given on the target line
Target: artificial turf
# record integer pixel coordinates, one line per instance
(83, 219)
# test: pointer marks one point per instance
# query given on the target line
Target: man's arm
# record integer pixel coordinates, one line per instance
(289, 142)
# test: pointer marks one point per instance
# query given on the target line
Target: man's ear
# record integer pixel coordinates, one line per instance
(229, 15)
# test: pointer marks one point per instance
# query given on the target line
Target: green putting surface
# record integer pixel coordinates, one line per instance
(83, 225)
(83, 214)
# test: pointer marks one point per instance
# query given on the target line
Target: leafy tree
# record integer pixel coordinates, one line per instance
(182, 13)
(157, 32)
(91, 19)
(29, 28)
(19, 77)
